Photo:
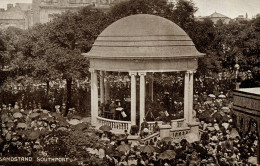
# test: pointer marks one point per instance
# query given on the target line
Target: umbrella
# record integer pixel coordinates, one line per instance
(61, 118)
(212, 96)
(62, 129)
(168, 154)
(167, 139)
(74, 122)
(208, 102)
(225, 125)
(105, 128)
(116, 153)
(147, 149)
(225, 109)
(211, 128)
(217, 116)
(121, 137)
(34, 115)
(10, 124)
(206, 117)
(34, 135)
(191, 137)
(252, 160)
(44, 116)
(123, 148)
(81, 126)
(45, 132)
(234, 133)
(222, 96)
(76, 117)
(4, 116)
(21, 125)
(17, 115)
(63, 124)
(25, 112)
(5, 119)
(1, 141)
(50, 119)
(109, 149)
(20, 132)
(225, 119)
(45, 111)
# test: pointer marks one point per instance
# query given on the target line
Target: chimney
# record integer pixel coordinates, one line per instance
(9, 6)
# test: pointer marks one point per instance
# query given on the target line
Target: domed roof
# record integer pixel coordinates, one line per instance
(143, 36)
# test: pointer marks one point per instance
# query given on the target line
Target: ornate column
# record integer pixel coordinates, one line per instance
(188, 96)
(142, 95)
(107, 88)
(151, 86)
(94, 96)
(133, 97)
(191, 73)
(102, 93)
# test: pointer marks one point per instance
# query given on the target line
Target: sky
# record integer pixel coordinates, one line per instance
(230, 8)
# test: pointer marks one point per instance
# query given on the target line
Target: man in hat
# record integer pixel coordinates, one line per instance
(63, 109)
(112, 108)
(144, 128)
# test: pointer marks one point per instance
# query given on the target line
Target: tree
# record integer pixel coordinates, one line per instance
(70, 34)
(157, 7)
(2, 51)
(183, 14)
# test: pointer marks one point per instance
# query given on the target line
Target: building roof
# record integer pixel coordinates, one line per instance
(143, 36)
(253, 91)
(6, 15)
(217, 15)
(24, 6)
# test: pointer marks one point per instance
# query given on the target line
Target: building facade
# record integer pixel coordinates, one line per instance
(215, 18)
(19, 16)
(25, 15)
(44, 10)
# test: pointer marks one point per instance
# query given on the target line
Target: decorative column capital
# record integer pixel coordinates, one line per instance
(142, 73)
(91, 70)
(132, 73)
(190, 71)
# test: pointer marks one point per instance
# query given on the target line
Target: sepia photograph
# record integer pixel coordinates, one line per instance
(130, 82)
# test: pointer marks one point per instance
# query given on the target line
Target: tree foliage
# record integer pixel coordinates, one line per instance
(53, 50)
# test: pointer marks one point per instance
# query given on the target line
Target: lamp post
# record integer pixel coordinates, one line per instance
(237, 70)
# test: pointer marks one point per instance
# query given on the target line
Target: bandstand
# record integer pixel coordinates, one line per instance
(141, 45)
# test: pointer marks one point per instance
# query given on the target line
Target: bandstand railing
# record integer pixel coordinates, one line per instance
(151, 137)
(151, 125)
(177, 123)
(116, 125)
(179, 133)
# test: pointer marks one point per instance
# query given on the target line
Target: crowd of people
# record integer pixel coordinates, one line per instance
(25, 131)
(220, 142)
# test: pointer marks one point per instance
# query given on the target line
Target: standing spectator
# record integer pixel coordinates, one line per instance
(112, 108)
